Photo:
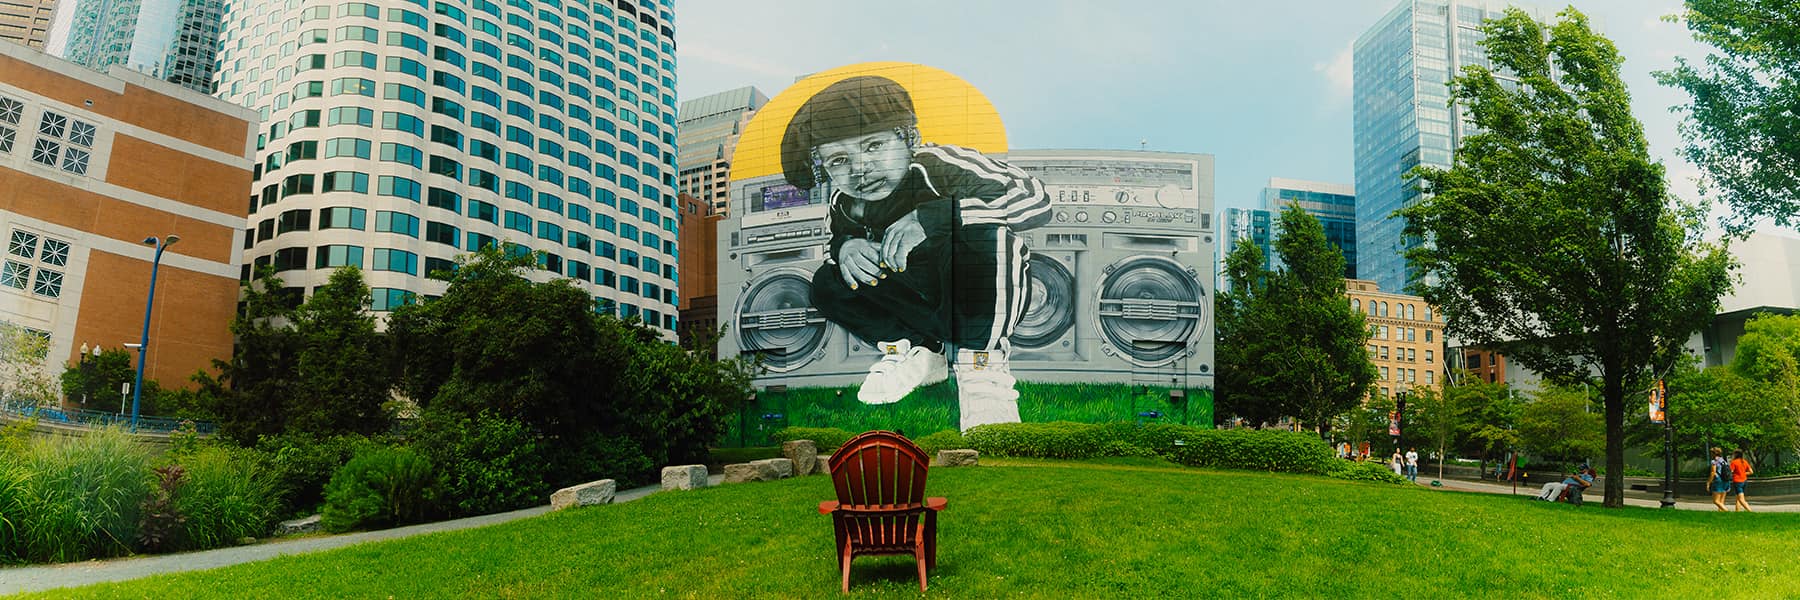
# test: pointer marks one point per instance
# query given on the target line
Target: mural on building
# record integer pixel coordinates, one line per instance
(883, 240)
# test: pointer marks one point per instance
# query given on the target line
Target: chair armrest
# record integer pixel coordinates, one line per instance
(936, 503)
(827, 507)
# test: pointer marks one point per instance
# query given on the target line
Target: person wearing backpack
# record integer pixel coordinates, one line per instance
(1718, 478)
(1740, 471)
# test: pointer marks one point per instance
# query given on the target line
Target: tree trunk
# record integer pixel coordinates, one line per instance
(1615, 439)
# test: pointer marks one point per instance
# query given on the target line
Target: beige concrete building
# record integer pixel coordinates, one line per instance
(1406, 338)
(90, 166)
(707, 136)
(26, 21)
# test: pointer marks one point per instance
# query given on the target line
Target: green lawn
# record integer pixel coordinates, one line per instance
(933, 408)
(1124, 528)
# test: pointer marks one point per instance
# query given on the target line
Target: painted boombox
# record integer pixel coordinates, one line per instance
(1120, 279)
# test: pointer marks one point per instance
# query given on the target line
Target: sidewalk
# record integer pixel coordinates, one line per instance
(1594, 497)
(18, 580)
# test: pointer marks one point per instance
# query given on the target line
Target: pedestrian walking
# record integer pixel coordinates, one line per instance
(1740, 472)
(1412, 464)
(1718, 477)
(1397, 462)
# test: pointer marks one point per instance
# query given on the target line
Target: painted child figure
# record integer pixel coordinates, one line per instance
(925, 256)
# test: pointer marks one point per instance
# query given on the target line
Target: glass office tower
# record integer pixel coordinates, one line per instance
(172, 40)
(1333, 204)
(398, 134)
(1402, 67)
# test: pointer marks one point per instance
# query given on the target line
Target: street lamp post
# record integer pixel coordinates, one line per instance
(137, 386)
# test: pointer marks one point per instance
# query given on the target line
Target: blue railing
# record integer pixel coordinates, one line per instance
(95, 418)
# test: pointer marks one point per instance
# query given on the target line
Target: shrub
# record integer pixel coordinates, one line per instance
(827, 439)
(485, 464)
(599, 456)
(228, 494)
(1363, 471)
(1262, 450)
(949, 439)
(161, 523)
(79, 498)
(302, 464)
(379, 487)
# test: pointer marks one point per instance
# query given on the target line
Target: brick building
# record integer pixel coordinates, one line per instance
(90, 166)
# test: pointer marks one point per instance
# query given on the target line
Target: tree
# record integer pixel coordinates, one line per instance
(1743, 127)
(1716, 406)
(1552, 239)
(1766, 416)
(22, 374)
(341, 367)
(95, 382)
(1290, 344)
(250, 395)
(1556, 423)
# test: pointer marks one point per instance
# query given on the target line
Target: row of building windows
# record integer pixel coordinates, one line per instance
(401, 261)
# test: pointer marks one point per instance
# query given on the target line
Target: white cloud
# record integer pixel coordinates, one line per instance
(1339, 73)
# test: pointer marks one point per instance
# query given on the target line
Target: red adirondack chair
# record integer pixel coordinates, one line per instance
(881, 506)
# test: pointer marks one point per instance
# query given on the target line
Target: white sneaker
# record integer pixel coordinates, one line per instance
(903, 367)
(986, 389)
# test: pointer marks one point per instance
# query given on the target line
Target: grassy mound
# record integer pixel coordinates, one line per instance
(1126, 528)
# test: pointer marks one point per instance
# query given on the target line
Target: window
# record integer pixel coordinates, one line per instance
(398, 187)
(34, 262)
(403, 122)
(484, 211)
(11, 112)
(288, 259)
(445, 199)
(442, 233)
(329, 257)
(408, 66)
(350, 115)
(401, 261)
(478, 241)
(397, 222)
(342, 217)
(294, 220)
(401, 92)
(353, 86)
(352, 147)
(445, 166)
(403, 154)
(345, 181)
(1428, 353)
(63, 142)
(437, 268)
(518, 222)
(387, 299)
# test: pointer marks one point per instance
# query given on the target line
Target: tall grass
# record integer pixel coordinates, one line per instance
(227, 494)
(75, 498)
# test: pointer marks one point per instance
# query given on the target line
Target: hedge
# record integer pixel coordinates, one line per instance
(1248, 449)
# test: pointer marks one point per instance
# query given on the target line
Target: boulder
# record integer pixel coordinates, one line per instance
(774, 468)
(740, 473)
(298, 526)
(805, 455)
(957, 458)
(823, 467)
(586, 494)
(685, 477)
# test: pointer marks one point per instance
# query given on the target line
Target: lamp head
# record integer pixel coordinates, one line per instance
(171, 239)
(150, 241)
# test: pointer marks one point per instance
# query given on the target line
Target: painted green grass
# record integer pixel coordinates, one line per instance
(1119, 529)
(933, 408)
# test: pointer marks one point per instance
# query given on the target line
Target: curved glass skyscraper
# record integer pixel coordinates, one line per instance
(398, 134)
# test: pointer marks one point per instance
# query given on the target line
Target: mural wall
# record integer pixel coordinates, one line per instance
(882, 240)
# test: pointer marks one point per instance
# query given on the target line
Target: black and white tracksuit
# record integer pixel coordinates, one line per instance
(965, 284)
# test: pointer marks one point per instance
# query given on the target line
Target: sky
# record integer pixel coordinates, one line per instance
(1262, 86)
